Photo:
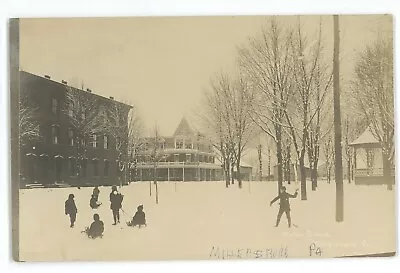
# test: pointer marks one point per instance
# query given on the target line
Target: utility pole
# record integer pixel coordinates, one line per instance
(337, 122)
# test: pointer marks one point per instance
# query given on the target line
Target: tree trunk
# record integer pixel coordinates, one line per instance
(387, 171)
(314, 179)
(239, 178)
(269, 163)
(303, 178)
(349, 170)
(156, 192)
(314, 175)
(155, 183)
(327, 175)
(226, 171)
(135, 170)
(232, 173)
(279, 166)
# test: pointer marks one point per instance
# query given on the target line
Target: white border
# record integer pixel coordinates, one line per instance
(79, 8)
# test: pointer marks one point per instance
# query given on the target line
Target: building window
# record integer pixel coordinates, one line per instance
(54, 106)
(188, 157)
(94, 140)
(105, 142)
(200, 158)
(95, 167)
(71, 137)
(83, 167)
(176, 157)
(72, 171)
(179, 144)
(55, 134)
(188, 145)
(106, 167)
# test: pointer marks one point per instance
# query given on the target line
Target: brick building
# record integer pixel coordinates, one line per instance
(52, 159)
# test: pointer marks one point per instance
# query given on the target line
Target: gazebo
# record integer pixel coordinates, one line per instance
(368, 161)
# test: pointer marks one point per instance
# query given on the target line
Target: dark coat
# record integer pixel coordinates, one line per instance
(116, 201)
(139, 218)
(284, 200)
(93, 203)
(70, 207)
(96, 229)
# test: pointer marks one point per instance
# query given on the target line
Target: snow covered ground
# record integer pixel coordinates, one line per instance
(204, 220)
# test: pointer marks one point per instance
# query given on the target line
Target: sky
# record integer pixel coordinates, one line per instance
(162, 65)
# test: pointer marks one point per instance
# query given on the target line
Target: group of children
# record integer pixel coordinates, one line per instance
(96, 229)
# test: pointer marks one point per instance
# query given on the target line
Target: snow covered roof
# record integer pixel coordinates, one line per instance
(365, 138)
(245, 165)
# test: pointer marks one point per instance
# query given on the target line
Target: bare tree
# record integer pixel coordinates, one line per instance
(373, 87)
(28, 125)
(121, 126)
(136, 144)
(228, 108)
(154, 151)
(213, 122)
(267, 64)
(328, 150)
(86, 119)
(307, 100)
(260, 165)
(241, 129)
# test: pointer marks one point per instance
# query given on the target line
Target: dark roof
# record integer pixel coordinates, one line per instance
(183, 128)
(63, 84)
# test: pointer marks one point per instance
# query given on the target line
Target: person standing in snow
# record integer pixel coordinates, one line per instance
(284, 205)
(70, 209)
(116, 199)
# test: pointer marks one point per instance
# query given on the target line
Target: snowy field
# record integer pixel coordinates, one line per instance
(204, 220)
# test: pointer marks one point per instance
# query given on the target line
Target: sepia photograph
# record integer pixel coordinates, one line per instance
(202, 137)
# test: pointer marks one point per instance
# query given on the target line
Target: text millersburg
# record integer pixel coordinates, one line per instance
(248, 253)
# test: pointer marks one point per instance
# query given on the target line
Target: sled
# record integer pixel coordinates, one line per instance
(86, 231)
(129, 224)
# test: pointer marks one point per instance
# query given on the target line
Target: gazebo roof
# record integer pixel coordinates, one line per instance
(366, 138)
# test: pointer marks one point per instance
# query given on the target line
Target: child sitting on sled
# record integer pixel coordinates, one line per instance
(96, 229)
(93, 202)
(139, 219)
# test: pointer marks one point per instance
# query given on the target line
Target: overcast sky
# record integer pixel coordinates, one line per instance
(162, 65)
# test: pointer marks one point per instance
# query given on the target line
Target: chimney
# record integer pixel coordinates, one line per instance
(87, 89)
(47, 76)
(64, 82)
(111, 98)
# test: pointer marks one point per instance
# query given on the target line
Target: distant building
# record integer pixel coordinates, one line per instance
(246, 172)
(53, 159)
(368, 161)
(189, 156)
(290, 175)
